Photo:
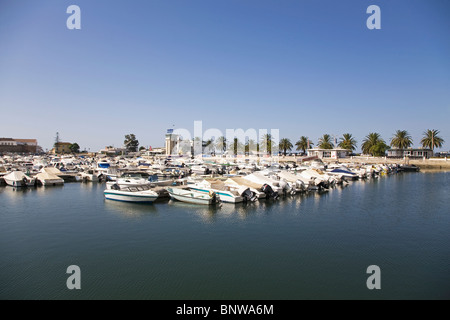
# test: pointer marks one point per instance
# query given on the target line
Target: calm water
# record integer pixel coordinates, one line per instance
(302, 247)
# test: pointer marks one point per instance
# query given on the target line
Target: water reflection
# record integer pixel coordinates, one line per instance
(92, 185)
(131, 210)
(207, 213)
(241, 210)
(45, 190)
(16, 194)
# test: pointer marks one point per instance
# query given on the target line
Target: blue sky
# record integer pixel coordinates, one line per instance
(304, 67)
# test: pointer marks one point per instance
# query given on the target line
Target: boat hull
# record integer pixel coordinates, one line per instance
(191, 196)
(128, 197)
(51, 182)
(223, 195)
(191, 199)
(20, 183)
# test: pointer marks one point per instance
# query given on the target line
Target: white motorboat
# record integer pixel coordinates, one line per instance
(294, 180)
(89, 175)
(154, 180)
(112, 173)
(186, 194)
(320, 179)
(137, 194)
(19, 179)
(239, 182)
(200, 169)
(260, 178)
(47, 177)
(132, 180)
(343, 173)
(226, 193)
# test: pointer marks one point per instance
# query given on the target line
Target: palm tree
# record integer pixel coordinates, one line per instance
(303, 144)
(347, 142)
(401, 140)
(325, 142)
(251, 145)
(267, 143)
(373, 144)
(236, 146)
(285, 145)
(222, 143)
(209, 142)
(208, 145)
(431, 139)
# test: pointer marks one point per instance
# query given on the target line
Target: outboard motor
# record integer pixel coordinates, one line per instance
(287, 188)
(300, 185)
(216, 199)
(322, 185)
(249, 195)
(269, 192)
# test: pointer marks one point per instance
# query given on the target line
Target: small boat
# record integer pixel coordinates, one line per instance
(409, 168)
(137, 194)
(321, 180)
(240, 182)
(200, 169)
(49, 177)
(297, 181)
(260, 178)
(225, 192)
(343, 173)
(186, 194)
(19, 179)
(154, 180)
(132, 179)
(89, 175)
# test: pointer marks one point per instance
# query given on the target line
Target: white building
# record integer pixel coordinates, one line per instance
(329, 153)
(410, 153)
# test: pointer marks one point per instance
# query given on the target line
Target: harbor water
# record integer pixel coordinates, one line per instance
(312, 246)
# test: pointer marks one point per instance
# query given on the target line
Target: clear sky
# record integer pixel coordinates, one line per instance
(304, 67)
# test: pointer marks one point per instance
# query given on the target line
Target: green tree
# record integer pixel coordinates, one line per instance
(251, 145)
(401, 140)
(379, 150)
(285, 145)
(209, 142)
(303, 144)
(236, 146)
(74, 148)
(347, 142)
(325, 142)
(267, 143)
(373, 144)
(142, 148)
(222, 143)
(431, 139)
(208, 145)
(131, 143)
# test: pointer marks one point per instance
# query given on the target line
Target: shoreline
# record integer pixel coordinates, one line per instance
(438, 165)
(427, 164)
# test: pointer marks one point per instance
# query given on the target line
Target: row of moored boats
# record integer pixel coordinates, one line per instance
(193, 181)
